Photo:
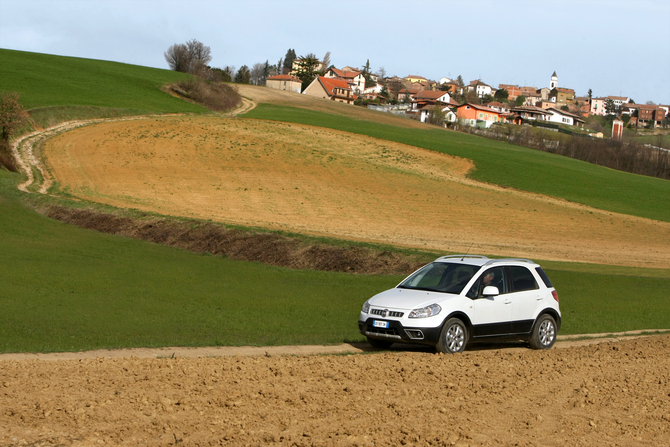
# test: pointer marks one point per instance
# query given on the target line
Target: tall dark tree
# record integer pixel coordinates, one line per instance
(288, 61)
(306, 69)
(243, 75)
(369, 82)
(501, 94)
(459, 79)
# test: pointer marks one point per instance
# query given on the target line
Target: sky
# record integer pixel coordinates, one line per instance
(614, 47)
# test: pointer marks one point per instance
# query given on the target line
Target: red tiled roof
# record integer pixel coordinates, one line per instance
(330, 83)
(283, 78)
(345, 74)
(478, 107)
(430, 94)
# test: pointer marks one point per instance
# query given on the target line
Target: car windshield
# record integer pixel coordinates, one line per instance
(443, 277)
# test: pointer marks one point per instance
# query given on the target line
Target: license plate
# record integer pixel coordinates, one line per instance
(384, 324)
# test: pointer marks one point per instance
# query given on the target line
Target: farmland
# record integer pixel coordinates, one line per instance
(339, 175)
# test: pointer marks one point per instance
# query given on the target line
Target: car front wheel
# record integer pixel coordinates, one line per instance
(453, 337)
(544, 333)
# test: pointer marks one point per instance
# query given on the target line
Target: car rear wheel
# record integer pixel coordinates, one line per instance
(379, 344)
(453, 337)
(544, 333)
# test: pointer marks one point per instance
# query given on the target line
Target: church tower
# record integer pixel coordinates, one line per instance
(554, 81)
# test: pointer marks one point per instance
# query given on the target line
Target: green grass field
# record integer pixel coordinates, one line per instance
(508, 165)
(68, 289)
(46, 81)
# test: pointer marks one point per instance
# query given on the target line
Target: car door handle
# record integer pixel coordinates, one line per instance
(539, 298)
(508, 301)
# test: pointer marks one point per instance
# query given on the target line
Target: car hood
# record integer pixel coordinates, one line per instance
(407, 298)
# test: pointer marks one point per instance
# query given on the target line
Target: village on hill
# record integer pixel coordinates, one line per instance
(450, 101)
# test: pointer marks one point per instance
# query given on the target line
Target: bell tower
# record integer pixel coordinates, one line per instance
(554, 81)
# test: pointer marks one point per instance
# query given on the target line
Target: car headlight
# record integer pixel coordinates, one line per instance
(425, 312)
(366, 307)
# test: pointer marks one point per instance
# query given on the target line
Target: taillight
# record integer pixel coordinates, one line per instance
(555, 295)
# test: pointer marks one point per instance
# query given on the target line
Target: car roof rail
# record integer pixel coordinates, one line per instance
(462, 256)
(494, 261)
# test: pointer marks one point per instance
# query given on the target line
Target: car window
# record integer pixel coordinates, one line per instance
(522, 279)
(441, 277)
(544, 277)
(492, 277)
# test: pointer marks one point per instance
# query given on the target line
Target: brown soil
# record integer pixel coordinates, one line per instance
(315, 181)
(609, 394)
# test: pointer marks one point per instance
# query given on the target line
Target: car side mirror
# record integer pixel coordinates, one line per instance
(490, 291)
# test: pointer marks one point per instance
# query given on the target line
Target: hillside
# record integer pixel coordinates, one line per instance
(71, 289)
(46, 81)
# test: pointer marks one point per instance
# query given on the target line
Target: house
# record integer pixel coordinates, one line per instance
(480, 88)
(598, 106)
(433, 95)
(533, 98)
(528, 113)
(619, 101)
(456, 88)
(330, 88)
(500, 107)
(476, 115)
(647, 114)
(414, 79)
(512, 90)
(563, 117)
(296, 66)
(284, 82)
(355, 79)
(561, 95)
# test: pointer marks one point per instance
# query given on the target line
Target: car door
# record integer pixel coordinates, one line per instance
(526, 298)
(492, 315)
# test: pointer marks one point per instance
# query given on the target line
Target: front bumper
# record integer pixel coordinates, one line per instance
(398, 333)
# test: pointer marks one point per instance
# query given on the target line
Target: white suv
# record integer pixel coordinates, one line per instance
(465, 298)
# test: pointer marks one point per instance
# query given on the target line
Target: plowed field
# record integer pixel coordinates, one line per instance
(609, 394)
(323, 182)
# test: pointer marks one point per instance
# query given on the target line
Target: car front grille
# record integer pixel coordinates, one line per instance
(389, 313)
(390, 332)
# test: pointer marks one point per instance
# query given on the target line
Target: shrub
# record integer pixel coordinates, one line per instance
(214, 96)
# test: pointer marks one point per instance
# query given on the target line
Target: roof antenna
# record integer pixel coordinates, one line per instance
(466, 253)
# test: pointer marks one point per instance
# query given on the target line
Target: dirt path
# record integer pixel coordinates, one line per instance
(563, 341)
(24, 147)
(614, 393)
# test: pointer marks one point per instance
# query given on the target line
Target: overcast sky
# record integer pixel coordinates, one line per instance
(615, 47)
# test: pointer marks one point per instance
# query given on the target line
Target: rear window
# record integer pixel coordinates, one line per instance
(544, 277)
(522, 279)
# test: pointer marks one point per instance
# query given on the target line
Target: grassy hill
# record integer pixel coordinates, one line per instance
(68, 289)
(89, 86)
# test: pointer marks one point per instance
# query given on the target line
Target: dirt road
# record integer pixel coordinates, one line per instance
(606, 394)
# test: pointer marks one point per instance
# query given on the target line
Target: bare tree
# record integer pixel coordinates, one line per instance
(191, 57)
(178, 58)
(256, 72)
(325, 64)
(382, 75)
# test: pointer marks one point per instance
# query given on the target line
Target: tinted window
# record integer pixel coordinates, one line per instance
(522, 279)
(544, 277)
(441, 277)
